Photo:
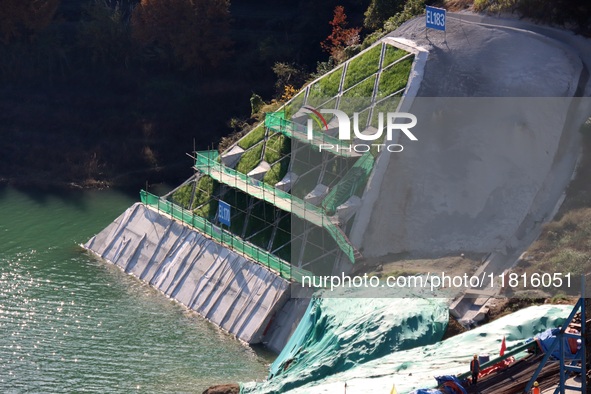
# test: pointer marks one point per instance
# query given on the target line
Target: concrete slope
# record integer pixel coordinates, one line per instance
(495, 148)
(238, 295)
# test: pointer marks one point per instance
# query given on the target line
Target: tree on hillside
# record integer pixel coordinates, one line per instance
(192, 32)
(379, 11)
(104, 36)
(288, 74)
(570, 13)
(25, 18)
(341, 36)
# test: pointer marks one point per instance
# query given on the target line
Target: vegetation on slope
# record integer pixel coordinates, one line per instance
(564, 245)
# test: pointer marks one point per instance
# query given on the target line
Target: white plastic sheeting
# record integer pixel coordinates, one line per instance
(231, 157)
(259, 171)
(237, 294)
(287, 182)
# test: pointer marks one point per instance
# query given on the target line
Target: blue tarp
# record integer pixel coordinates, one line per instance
(451, 384)
(548, 337)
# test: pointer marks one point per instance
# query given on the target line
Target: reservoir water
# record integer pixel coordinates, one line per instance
(71, 323)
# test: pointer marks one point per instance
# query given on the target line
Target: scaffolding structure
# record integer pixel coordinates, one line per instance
(261, 212)
(207, 163)
(571, 365)
(224, 237)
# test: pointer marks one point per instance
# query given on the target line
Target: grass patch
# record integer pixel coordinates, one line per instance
(208, 210)
(362, 66)
(563, 247)
(328, 86)
(294, 104)
(494, 5)
(388, 105)
(276, 173)
(394, 78)
(362, 119)
(204, 197)
(322, 103)
(362, 90)
(182, 196)
(358, 98)
(250, 159)
(253, 137)
(392, 54)
(277, 147)
(559, 298)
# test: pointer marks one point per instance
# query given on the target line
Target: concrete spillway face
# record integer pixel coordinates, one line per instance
(259, 172)
(287, 182)
(231, 291)
(494, 151)
(232, 157)
(317, 194)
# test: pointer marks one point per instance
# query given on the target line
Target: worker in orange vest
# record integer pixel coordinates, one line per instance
(475, 369)
(536, 389)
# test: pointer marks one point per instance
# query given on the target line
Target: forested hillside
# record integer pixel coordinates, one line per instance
(115, 92)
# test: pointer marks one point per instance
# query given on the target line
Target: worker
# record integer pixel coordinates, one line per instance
(475, 369)
(536, 388)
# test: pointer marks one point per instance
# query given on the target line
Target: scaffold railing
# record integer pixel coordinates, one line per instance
(225, 237)
(207, 163)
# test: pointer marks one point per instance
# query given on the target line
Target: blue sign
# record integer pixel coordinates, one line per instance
(435, 18)
(224, 213)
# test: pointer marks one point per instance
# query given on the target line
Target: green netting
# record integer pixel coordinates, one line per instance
(276, 121)
(316, 358)
(353, 180)
(207, 163)
(224, 237)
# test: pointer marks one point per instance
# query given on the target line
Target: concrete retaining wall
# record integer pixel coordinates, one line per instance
(233, 292)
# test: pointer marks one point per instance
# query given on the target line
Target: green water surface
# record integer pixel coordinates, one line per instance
(71, 323)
